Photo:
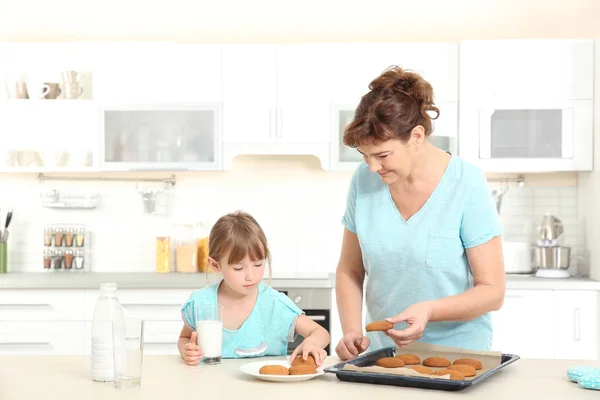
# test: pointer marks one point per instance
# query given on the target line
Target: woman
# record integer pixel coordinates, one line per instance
(421, 224)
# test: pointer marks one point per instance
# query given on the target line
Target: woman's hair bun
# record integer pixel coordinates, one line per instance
(396, 80)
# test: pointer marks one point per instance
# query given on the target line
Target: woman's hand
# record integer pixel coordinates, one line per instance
(306, 348)
(416, 316)
(192, 354)
(351, 346)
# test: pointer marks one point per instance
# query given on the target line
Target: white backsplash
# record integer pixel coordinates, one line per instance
(299, 206)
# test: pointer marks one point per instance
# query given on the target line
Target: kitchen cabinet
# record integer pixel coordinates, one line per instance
(524, 324)
(576, 325)
(527, 105)
(275, 101)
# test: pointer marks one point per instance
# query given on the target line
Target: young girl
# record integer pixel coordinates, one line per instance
(257, 320)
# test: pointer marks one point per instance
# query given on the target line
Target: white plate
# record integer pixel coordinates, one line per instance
(253, 368)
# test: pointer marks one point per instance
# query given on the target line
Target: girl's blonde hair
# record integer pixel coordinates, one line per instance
(238, 235)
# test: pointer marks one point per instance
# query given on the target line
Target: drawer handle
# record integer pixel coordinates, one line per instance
(6, 344)
(173, 343)
(576, 325)
(317, 317)
(149, 305)
(27, 305)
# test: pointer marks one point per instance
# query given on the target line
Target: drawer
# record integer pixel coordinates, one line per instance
(41, 305)
(41, 338)
(160, 337)
(148, 304)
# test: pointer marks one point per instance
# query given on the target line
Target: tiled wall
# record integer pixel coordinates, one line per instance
(299, 206)
(523, 208)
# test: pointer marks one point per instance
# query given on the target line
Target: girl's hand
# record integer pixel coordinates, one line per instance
(192, 354)
(306, 348)
(416, 316)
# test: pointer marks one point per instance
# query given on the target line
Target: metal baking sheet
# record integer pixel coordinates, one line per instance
(369, 359)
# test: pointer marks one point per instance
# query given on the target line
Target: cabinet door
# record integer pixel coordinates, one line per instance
(249, 93)
(524, 325)
(158, 72)
(539, 69)
(41, 337)
(303, 94)
(576, 325)
(167, 136)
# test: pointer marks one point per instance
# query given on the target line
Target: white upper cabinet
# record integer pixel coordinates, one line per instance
(158, 72)
(249, 93)
(352, 67)
(527, 105)
(276, 101)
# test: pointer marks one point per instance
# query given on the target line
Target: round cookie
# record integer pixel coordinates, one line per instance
(379, 326)
(310, 360)
(302, 370)
(422, 370)
(469, 361)
(436, 362)
(466, 370)
(409, 359)
(273, 370)
(454, 375)
(390, 362)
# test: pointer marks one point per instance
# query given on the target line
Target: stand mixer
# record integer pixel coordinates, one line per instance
(551, 259)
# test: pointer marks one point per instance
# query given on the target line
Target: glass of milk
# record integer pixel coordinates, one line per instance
(128, 349)
(209, 327)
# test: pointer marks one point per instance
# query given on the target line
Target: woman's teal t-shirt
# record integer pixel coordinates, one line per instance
(424, 258)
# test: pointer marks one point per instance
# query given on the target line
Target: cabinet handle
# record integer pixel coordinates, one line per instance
(576, 325)
(271, 117)
(279, 122)
(317, 317)
(26, 305)
(149, 305)
(7, 344)
(155, 343)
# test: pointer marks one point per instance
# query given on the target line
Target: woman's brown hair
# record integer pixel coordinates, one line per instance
(398, 101)
(237, 235)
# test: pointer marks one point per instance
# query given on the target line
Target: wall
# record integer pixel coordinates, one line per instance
(284, 21)
(299, 206)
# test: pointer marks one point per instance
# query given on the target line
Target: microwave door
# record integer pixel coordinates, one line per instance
(526, 133)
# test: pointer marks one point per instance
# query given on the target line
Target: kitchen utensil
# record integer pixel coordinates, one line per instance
(149, 198)
(556, 257)
(518, 258)
(498, 195)
(8, 218)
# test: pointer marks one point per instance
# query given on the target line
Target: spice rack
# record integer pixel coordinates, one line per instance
(66, 248)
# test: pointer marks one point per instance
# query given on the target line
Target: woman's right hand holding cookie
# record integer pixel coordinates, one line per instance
(351, 345)
(192, 354)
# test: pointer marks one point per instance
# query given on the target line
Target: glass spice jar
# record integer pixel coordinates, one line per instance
(47, 259)
(59, 234)
(80, 238)
(79, 259)
(48, 233)
(163, 254)
(69, 236)
(68, 259)
(58, 259)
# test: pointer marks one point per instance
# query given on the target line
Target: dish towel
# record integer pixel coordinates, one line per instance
(586, 377)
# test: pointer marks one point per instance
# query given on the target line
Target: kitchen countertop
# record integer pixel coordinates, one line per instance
(166, 377)
(143, 280)
(149, 280)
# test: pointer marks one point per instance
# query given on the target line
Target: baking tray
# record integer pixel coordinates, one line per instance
(369, 359)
